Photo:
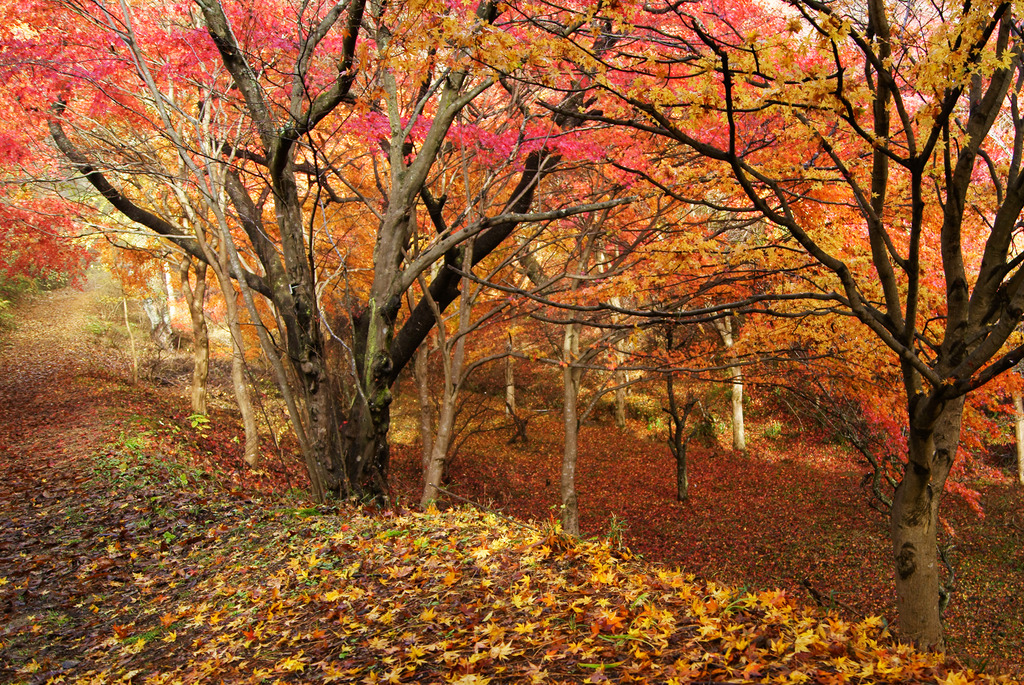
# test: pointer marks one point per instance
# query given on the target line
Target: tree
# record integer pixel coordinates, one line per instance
(678, 437)
(728, 331)
(194, 299)
(880, 143)
(265, 124)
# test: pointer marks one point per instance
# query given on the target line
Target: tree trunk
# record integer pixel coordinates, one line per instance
(159, 327)
(914, 523)
(194, 298)
(725, 330)
(251, 450)
(510, 379)
(172, 310)
(131, 340)
(446, 419)
(620, 399)
(678, 441)
(435, 467)
(739, 441)
(571, 375)
(620, 378)
(454, 358)
(367, 453)
(1018, 426)
(682, 475)
(220, 262)
(421, 372)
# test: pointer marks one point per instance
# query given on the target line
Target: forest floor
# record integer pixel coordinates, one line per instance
(792, 512)
(134, 548)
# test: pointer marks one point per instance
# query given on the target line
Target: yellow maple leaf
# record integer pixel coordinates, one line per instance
(802, 642)
(291, 663)
(502, 651)
(31, 667)
(136, 647)
(471, 679)
(170, 637)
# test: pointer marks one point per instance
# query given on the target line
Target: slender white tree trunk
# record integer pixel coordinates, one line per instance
(172, 308)
(1018, 425)
(131, 340)
(725, 330)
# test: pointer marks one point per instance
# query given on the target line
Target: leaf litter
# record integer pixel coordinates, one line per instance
(120, 564)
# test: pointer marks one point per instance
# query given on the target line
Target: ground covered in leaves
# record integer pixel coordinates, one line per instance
(132, 551)
(792, 513)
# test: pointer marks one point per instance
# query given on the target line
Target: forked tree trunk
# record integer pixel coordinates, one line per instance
(678, 440)
(914, 524)
(194, 297)
(220, 263)
(1018, 429)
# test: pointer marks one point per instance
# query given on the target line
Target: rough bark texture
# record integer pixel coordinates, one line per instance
(914, 519)
(159, 322)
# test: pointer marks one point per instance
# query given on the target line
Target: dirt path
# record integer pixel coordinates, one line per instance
(46, 361)
(55, 381)
(56, 387)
